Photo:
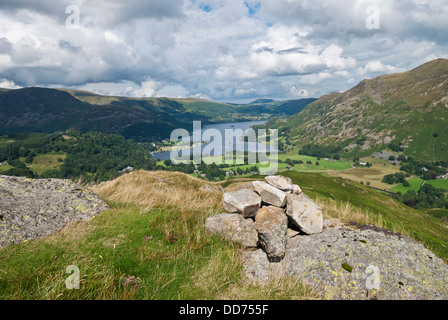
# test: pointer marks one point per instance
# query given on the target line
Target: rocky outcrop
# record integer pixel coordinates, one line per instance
(339, 261)
(350, 263)
(30, 209)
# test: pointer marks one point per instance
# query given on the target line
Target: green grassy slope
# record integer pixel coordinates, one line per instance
(409, 108)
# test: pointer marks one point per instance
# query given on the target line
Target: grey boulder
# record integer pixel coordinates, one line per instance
(272, 224)
(243, 201)
(269, 194)
(280, 182)
(233, 227)
(304, 213)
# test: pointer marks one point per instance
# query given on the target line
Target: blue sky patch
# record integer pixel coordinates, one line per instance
(253, 7)
(205, 7)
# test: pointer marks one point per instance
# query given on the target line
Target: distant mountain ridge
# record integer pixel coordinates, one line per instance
(49, 110)
(409, 110)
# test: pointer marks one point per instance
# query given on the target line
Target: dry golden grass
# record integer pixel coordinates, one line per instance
(346, 212)
(161, 189)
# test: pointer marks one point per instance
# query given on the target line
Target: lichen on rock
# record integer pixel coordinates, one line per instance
(32, 208)
(348, 263)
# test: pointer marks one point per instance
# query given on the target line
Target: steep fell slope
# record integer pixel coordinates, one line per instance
(410, 109)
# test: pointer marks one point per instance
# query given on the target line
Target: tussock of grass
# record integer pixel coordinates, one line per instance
(157, 189)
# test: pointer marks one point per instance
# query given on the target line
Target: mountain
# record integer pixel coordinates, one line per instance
(277, 108)
(49, 110)
(407, 111)
(38, 109)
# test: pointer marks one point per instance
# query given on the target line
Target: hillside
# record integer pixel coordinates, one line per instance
(152, 243)
(50, 110)
(142, 119)
(39, 109)
(408, 109)
(200, 109)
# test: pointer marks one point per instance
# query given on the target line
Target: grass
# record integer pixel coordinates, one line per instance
(414, 184)
(372, 175)
(366, 205)
(442, 184)
(5, 141)
(151, 244)
(5, 168)
(323, 164)
(42, 163)
(164, 252)
(439, 214)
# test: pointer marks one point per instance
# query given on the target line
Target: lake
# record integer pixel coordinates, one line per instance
(221, 127)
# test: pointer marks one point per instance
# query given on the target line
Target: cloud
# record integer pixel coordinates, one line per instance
(377, 67)
(105, 13)
(6, 84)
(231, 50)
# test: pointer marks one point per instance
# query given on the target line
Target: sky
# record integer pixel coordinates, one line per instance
(222, 50)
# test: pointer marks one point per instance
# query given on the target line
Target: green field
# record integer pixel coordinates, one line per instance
(414, 184)
(42, 163)
(5, 141)
(323, 164)
(4, 168)
(441, 184)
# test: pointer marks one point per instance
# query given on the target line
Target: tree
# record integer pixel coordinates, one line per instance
(29, 159)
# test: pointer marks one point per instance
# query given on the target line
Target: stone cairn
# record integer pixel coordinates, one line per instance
(266, 214)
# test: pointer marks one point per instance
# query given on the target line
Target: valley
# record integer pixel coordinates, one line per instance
(208, 158)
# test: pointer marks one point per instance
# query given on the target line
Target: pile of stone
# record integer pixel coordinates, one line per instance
(283, 235)
(266, 214)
